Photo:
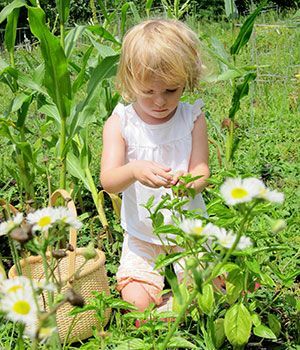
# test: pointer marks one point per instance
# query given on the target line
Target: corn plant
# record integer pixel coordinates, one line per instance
(240, 77)
(55, 85)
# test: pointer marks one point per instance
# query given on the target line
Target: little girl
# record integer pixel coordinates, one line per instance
(150, 142)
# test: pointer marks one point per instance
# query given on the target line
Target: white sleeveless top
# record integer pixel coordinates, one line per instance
(169, 144)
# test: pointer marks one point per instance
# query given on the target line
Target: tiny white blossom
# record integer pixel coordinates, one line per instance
(42, 219)
(66, 216)
(211, 230)
(225, 239)
(192, 227)
(244, 243)
(236, 190)
(9, 225)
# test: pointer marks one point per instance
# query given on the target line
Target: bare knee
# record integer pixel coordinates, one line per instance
(135, 294)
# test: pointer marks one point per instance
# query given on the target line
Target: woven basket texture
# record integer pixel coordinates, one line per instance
(91, 277)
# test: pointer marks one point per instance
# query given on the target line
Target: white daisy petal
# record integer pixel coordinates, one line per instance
(42, 219)
(192, 227)
(9, 225)
(236, 190)
(225, 239)
(19, 306)
(244, 243)
(67, 217)
(14, 285)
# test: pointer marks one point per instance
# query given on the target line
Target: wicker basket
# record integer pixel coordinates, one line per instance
(92, 277)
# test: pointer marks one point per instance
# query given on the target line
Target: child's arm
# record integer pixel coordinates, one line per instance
(116, 175)
(199, 157)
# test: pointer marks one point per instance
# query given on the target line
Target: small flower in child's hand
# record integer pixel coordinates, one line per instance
(9, 225)
(238, 190)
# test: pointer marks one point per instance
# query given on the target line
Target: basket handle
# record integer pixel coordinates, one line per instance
(60, 193)
(7, 206)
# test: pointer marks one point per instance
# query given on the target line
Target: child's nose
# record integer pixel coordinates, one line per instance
(160, 100)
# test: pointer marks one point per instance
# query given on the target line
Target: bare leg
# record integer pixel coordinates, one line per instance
(135, 294)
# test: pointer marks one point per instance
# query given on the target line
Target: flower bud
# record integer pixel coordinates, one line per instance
(22, 234)
(74, 299)
(278, 225)
(89, 252)
(59, 254)
(70, 247)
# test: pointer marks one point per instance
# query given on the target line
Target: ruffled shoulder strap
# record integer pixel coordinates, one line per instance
(197, 109)
(120, 110)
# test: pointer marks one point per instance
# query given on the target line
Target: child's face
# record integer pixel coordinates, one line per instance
(160, 103)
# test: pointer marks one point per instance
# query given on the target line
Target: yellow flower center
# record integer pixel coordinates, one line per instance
(44, 221)
(22, 307)
(238, 193)
(13, 289)
(197, 230)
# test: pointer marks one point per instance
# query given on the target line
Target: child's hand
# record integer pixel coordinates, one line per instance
(151, 174)
(176, 177)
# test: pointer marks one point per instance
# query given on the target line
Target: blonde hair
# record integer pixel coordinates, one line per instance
(160, 48)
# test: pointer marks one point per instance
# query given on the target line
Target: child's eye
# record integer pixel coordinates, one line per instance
(171, 90)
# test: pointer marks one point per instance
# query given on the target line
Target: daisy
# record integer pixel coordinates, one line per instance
(224, 238)
(19, 306)
(244, 243)
(271, 196)
(238, 190)
(192, 227)
(13, 285)
(9, 225)
(66, 216)
(42, 219)
(211, 230)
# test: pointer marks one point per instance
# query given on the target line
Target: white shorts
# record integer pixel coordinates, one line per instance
(137, 265)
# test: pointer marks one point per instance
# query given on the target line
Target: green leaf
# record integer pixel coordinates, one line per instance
(71, 39)
(240, 91)
(11, 30)
(180, 297)
(253, 266)
(10, 8)
(218, 332)
(63, 9)
(206, 300)
(57, 76)
(132, 344)
(165, 260)
(234, 285)
(274, 324)
(264, 332)
(237, 325)
(75, 169)
(230, 9)
(148, 7)
(179, 342)
(245, 31)
(103, 33)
